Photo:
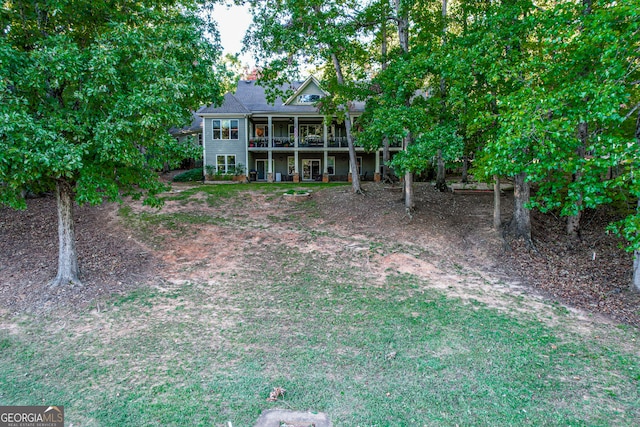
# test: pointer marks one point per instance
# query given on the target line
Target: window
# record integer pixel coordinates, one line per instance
(291, 165)
(225, 129)
(292, 134)
(331, 165)
(308, 98)
(226, 163)
(359, 162)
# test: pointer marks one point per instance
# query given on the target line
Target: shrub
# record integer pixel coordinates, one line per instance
(189, 176)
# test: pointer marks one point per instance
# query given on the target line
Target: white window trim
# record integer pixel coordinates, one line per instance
(330, 160)
(222, 122)
(303, 98)
(226, 162)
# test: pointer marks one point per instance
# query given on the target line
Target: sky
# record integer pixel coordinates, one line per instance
(233, 22)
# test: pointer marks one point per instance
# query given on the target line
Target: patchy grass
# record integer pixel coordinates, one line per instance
(394, 355)
(369, 353)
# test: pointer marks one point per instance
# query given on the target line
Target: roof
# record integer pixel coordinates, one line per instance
(230, 105)
(250, 98)
(194, 127)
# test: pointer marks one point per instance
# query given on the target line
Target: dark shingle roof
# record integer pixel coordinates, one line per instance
(230, 105)
(250, 98)
(194, 127)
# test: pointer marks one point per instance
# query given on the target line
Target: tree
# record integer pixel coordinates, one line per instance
(88, 91)
(498, 42)
(398, 109)
(290, 34)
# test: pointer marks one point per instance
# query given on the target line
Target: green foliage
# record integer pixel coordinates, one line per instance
(192, 175)
(420, 155)
(290, 35)
(549, 90)
(239, 169)
(89, 90)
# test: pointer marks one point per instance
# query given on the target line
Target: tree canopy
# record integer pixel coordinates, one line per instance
(545, 93)
(88, 91)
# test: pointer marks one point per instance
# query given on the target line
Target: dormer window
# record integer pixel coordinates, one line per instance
(308, 98)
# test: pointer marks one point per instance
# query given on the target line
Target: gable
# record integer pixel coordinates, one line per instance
(307, 94)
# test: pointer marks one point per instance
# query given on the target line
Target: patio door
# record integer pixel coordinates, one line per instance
(310, 169)
(261, 169)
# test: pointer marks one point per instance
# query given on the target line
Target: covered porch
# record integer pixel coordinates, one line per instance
(309, 166)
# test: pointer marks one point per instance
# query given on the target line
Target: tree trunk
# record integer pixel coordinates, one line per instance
(353, 160)
(383, 46)
(386, 156)
(573, 226)
(497, 221)
(465, 168)
(441, 181)
(403, 27)
(408, 180)
(573, 221)
(355, 176)
(521, 221)
(67, 255)
(636, 254)
(408, 192)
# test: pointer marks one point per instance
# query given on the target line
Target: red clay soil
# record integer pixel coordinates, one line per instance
(592, 274)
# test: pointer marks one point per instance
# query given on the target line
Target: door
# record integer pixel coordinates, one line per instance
(261, 169)
(310, 169)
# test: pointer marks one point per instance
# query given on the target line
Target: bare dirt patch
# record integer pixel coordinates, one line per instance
(448, 241)
(111, 260)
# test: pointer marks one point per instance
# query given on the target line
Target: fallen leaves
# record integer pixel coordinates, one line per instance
(275, 394)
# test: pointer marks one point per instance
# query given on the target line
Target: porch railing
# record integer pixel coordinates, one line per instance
(309, 141)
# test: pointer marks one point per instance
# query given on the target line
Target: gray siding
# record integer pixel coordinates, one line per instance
(214, 147)
(311, 89)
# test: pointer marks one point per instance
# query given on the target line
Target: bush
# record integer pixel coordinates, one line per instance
(189, 176)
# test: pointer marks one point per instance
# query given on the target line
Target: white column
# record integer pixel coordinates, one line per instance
(204, 147)
(296, 132)
(246, 146)
(270, 147)
(324, 134)
(325, 170)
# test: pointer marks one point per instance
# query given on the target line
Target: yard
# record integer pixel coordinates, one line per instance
(193, 314)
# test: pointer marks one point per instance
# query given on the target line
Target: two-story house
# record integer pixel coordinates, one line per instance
(288, 140)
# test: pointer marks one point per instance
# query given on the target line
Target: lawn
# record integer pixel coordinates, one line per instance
(396, 350)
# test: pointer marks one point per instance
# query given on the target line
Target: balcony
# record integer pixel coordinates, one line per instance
(278, 142)
(309, 141)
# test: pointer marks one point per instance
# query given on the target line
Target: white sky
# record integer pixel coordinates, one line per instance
(233, 22)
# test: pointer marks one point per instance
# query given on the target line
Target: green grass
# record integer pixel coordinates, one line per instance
(395, 353)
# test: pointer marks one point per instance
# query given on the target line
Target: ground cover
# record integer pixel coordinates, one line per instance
(239, 291)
